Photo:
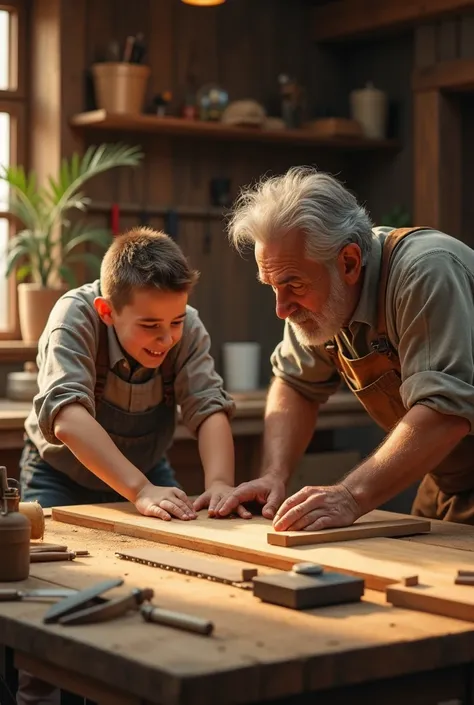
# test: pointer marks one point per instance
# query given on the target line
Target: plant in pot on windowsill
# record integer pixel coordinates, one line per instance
(43, 254)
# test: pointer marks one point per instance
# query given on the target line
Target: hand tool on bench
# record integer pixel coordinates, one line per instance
(233, 573)
(307, 585)
(13, 595)
(89, 607)
(167, 618)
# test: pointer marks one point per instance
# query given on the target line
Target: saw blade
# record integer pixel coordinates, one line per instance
(186, 571)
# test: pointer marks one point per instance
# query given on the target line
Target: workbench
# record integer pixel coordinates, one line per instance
(361, 653)
(343, 410)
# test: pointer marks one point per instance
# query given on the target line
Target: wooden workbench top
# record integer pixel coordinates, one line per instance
(257, 652)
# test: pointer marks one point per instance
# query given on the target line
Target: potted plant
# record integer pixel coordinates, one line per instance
(45, 251)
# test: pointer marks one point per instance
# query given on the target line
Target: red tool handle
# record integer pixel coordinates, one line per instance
(115, 219)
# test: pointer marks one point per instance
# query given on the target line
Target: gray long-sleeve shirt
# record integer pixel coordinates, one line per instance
(430, 321)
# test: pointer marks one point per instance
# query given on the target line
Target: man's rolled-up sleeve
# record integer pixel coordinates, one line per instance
(434, 315)
(199, 389)
(308, 370)
(66, 373)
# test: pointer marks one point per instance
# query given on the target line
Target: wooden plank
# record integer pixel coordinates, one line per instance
(101, 120)
(454, 601)
(456, 75)
(361, 529)
(352, 18)
(438, 162)
(68, 680)
(379, 561)
(229, 572)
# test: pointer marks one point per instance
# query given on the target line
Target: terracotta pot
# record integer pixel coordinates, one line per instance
(120, 87)
(34, 306)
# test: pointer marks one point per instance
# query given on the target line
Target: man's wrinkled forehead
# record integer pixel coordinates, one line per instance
(281, 261)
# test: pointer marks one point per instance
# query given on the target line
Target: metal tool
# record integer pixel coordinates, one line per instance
(80, 600)
(47, 556)
(176, 619)
(7, 595)
(110, 609)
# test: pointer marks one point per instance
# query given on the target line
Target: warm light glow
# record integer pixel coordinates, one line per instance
(203, 3)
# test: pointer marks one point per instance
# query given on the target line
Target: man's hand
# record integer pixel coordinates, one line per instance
(164, 503)
(268, 490)
(315, 508)
(216, 494)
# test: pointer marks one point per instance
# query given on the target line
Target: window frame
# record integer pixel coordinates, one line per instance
(14, 102)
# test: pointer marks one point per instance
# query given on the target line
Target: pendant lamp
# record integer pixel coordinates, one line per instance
(203, 3)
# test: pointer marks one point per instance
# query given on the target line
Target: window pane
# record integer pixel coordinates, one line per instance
(5, 140)
(4, 50)
(3, 280)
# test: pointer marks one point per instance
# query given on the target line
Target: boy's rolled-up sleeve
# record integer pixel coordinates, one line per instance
(66, 364)
(308, 370)
(199, 389)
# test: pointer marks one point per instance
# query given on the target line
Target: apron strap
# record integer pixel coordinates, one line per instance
(393, 239)
(101, 363)
(102, 366)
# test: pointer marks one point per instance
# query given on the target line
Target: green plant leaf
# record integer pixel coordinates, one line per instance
(13, 257)
(102, 238)
(88, 258)
(23, 272)
(67, 274)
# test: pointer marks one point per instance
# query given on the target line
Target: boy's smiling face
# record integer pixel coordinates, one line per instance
(149, 325)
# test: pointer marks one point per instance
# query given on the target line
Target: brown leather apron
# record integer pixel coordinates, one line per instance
(448, 491)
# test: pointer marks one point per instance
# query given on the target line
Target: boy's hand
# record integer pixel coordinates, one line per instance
(164, 503)
(216, 494)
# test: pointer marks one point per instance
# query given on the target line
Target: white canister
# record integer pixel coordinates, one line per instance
(241, 366)
(369, 107)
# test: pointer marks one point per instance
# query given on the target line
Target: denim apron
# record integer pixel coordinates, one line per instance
(142, 434)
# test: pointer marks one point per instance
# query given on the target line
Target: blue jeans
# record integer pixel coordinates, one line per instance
(52, 488)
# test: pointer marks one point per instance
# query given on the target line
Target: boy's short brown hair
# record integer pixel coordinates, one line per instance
(143, 258)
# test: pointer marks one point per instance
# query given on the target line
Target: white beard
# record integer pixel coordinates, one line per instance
(312, 329)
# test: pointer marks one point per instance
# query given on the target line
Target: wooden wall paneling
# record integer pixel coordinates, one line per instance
(467, 103)
(196, 52)
(383, 181)
(238, 58)
(466, 38)
(425, 45)
(437, 119)
(448, 35)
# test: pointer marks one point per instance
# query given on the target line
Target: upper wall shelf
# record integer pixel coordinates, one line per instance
(101, 120)
(349, 19)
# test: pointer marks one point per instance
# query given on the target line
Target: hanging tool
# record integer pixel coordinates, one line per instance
(172, 223)
(206, 246)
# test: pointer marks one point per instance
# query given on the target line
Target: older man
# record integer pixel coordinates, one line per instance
(389, 312)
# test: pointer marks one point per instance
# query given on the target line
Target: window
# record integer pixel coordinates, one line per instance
(12, 141)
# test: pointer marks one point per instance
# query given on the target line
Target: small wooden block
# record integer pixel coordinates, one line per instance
(359, 530)
(464, 580)
(303, 591)
(446, 600)
(410, 580)
(228, 571)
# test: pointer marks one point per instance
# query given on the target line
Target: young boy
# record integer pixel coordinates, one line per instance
(115, 360)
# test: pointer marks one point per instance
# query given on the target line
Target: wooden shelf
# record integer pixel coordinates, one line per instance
(349, 19)
(101, 120)
(17, 351)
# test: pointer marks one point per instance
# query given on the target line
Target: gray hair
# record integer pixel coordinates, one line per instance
(304, 199)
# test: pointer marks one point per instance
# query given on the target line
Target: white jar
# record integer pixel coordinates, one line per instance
(369, 108)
